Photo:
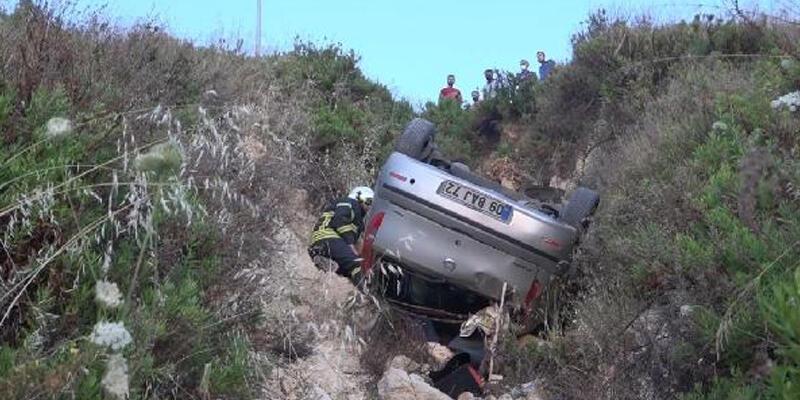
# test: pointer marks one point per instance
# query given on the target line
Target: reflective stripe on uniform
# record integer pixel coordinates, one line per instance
(324, 232)
(346, 228)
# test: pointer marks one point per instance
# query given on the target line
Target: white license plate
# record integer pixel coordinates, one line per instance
(476, 200)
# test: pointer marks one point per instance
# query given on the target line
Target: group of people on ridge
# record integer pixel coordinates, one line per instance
(494, 82)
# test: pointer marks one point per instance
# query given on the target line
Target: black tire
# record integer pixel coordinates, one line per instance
(417, 139)
(543, 193)
(582, 204)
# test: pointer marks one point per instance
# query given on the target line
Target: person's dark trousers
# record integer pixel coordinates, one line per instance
(339, 251)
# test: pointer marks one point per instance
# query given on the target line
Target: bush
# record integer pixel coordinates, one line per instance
(137, 159)
(696, 227)
(343, 123)
(454, 130)
(120, 232)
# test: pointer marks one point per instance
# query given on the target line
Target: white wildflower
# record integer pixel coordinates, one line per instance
(58, 127)
(115, 380)
(107, 294)
(686, 310)
(111, 334)
(787, 63)
(790, 100)
(719, 126)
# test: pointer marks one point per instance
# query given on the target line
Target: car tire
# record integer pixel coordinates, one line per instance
(417, 139)
(542, 193)
(582, 204)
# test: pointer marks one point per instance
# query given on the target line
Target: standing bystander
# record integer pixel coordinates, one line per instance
(546, 66)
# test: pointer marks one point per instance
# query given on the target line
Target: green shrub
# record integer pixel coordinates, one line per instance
(343, 123)
(726, 388)
(456, 137)
(6, 104)
(514, 100)
(6, 361)
(505, 149)
(171, 321)
(325, 66)
(695, 217)
(161, 161)
(779, 306)
(230, 374)
(46, 104)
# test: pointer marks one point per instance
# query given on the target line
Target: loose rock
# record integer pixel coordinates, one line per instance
(527, 391)
(396, 384)
(439, 354)
(686, 311)
(319, 394)
(404, 363)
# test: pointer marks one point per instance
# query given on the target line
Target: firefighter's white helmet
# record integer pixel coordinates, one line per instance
(362, 194)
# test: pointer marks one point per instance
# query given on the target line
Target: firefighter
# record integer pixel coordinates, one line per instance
(337, 231)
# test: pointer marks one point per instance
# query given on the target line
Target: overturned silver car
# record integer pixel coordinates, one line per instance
(447, 241)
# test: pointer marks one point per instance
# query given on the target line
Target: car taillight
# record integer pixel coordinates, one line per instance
(397, 176)
(369, 239)
(533, 293)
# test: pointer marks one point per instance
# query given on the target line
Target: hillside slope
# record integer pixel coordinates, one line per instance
(689, 272)
(154, 198)
(145, 189)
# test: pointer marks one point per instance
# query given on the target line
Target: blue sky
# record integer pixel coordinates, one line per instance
(410, 45)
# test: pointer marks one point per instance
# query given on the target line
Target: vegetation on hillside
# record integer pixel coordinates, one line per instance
(144, 181)
(143, 184)
(689, 274)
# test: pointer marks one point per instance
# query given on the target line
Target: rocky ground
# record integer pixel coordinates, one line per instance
(331, 320)
(330, 369)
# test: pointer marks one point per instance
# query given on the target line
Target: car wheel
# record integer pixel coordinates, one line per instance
(417, 139)
(543, 193)
(582, 204)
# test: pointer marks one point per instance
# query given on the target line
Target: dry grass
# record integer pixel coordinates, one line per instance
(197, 158)
(657, 271)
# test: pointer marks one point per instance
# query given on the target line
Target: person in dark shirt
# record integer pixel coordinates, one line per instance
(450, 92)
(524, 73)
(338, 229)
(545, 66)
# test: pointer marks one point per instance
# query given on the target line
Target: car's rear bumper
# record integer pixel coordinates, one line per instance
(437, 243)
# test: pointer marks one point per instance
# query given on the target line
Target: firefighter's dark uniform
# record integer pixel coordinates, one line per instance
(339, 227)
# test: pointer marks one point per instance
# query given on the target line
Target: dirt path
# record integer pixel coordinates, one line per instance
(331, 369)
